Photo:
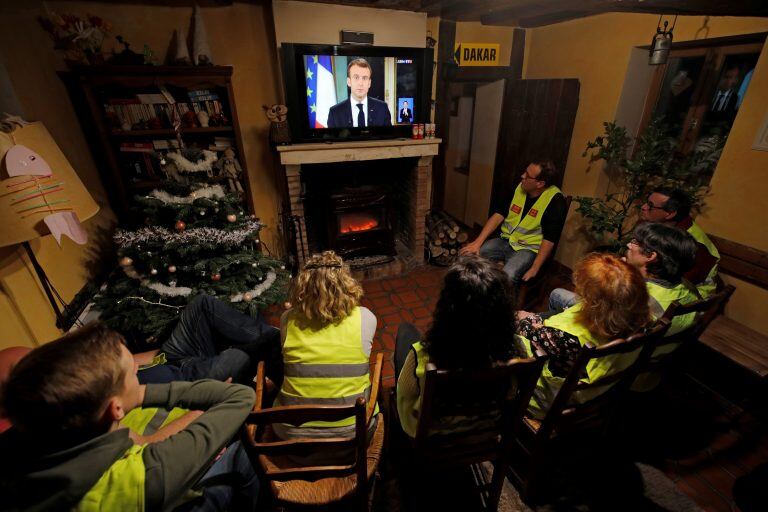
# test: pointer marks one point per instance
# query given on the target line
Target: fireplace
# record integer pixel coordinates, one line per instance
(366, 200)
(358, 222)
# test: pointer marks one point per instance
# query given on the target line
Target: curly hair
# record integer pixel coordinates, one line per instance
(325, 291)
(473, 323)
(614, 298)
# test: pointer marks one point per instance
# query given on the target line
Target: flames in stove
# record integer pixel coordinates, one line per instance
(357, 222)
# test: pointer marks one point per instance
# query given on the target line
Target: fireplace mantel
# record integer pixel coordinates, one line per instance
(321, 153)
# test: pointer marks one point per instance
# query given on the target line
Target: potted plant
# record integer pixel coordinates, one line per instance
(81, 38)
(654, 162)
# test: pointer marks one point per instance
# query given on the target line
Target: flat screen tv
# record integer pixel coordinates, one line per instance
(350, 92)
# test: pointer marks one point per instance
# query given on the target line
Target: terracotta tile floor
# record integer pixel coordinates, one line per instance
(712, 441)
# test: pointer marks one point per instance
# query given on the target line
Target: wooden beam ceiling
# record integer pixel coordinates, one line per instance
(534, 13)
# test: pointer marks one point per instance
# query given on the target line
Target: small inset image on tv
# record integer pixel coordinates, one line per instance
(345, 91)
(405, 110)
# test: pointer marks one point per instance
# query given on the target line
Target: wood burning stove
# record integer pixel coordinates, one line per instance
(358, 222)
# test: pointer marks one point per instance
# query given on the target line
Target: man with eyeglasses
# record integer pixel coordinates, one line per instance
(359, 110)
(530, 222)
(673, 207)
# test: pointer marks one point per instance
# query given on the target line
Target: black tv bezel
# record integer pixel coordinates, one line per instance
(295, 97)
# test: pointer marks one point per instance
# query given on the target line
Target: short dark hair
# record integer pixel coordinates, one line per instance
(549, 174)
(675, 250)
(60, 388)
(361, 63)
(473, 288)
(678, 202)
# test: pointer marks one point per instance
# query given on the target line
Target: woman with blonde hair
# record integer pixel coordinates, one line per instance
(326, 343)
(613, 304)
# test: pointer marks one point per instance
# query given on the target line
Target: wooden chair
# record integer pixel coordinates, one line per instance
(467, 417)
(335, 485)
(529, 293)
(568, 413)
(659, 357)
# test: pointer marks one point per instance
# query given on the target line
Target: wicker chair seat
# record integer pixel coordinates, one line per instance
(326, 490)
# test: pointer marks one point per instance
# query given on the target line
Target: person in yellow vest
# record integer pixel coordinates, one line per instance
(530, 224)
(673, 207)
(66, 450)
(662, 254)
(473, 326)
(613, 304)
(326, 338)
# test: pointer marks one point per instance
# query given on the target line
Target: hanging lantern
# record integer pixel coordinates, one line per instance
(661, 44)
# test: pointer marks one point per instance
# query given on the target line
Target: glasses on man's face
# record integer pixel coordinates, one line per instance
(648, 204)
(527, 176)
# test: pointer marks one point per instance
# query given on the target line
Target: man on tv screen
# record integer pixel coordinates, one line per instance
(359, 110)
(405, 113)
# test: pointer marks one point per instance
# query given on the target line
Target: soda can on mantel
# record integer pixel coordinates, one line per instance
(431, 131)
(421, 131)
(414, 131)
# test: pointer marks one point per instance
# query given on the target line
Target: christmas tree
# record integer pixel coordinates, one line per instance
(198, 239)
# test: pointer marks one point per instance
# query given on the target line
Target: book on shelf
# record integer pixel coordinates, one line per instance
(146, 109)
(137, 147)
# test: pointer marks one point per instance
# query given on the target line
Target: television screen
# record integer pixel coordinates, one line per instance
(356, 91)
(347, 92)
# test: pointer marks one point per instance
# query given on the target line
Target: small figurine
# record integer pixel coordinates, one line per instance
(189, 119)
(203, 118)
(279, 132)
(218, 120)
(229, 168)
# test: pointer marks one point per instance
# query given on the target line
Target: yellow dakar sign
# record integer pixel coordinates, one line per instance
(477, 54)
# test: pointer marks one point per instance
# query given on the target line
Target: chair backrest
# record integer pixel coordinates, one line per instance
(464, 412)
(255, 439)
(656, 355)
(617, 381)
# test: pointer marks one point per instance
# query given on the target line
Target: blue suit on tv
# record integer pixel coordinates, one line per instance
(340, 115)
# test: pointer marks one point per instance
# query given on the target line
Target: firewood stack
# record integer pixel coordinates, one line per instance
(444, 238)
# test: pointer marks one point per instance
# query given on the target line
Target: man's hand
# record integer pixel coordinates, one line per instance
(471, 248)
(530, 274)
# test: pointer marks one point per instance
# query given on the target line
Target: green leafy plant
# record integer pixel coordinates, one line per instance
(654, 162)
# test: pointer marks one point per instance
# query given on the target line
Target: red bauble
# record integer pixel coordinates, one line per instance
(180, 226)
(215, 276)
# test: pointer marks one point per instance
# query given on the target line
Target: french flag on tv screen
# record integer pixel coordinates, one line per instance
(321, 90)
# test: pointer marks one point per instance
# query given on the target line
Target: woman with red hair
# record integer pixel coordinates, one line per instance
(614, 304)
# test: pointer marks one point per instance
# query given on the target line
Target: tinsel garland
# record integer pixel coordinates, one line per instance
(213, 192)
(162, 289)
(185, 165)
(260, 288)
(125, 239)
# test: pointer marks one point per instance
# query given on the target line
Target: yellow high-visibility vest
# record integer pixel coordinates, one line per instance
(324, 365)
(709, 285)
(525, 233)
(120, 488)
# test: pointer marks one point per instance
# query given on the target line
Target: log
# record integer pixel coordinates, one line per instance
(462, 237)
(448, 221)
(436, 251)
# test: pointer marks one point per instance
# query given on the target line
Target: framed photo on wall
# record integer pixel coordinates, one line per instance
(761, 140)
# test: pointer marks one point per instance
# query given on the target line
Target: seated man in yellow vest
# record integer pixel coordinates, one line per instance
(673, 207)
(532, 222)
(65, 400)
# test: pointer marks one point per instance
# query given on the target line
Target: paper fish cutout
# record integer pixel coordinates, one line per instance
(66, 223)
(22, 161)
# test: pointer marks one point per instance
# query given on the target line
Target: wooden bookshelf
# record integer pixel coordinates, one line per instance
(99, 84)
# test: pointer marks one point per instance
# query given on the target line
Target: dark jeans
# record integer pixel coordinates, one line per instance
(407, 335)
(215, 341)
(230, 484)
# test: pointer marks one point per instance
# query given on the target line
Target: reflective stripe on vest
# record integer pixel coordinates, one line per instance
(526, 233)
(120, 488)
(709, 285)
(147, 421)
(548, 384)
(661, 294)
(324, 365)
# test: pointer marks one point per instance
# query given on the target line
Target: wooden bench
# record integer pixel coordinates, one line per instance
(742, 345)
(729, 338)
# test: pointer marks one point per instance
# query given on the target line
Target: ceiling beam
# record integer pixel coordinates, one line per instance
(533, 14)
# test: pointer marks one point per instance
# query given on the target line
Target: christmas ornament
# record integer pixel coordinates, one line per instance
(231, 217)
(254, 264)
(153, 271)
(171, 268)
(216, 276)
(247, 297)
(126, 261)
(201, 193)
(180, 225)
(202, 213)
